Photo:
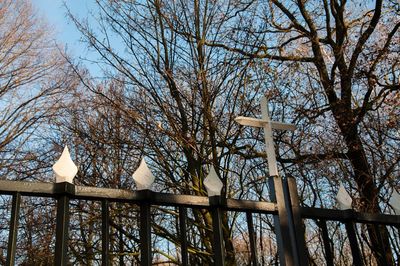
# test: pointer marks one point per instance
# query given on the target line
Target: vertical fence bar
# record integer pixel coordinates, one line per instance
(60, 257)
(145, 234)
(183, 235)
(327, 243)
(281, 222)
(12, 235)
(294, 208)
(355, 251)
(218, 245)
(382, 249)
(252, 238)
(120, 237)
(105, 233)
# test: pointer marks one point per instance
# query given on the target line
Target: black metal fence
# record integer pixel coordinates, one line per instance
(288, 216)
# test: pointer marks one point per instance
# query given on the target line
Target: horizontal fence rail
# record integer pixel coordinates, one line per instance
(284, 207)
(119, 195)
(346, 215)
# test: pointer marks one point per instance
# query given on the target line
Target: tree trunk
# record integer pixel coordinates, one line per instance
(369, 194)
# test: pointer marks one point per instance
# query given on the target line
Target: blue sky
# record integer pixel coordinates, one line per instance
(64, 30)
(66, 33)
(55, 14)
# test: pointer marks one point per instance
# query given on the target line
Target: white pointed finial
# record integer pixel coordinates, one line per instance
(65, 169)
(343, 198)
(395, 202)
(143, 177)
(212, 183)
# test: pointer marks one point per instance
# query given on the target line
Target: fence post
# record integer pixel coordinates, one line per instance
(105, 233)
(252, 238)
(327, 243)
(218, 246)
(382, 249)
(281, 222)
(294, 208)
(12, 235)
(64, 189)
(145, 228)
(183, 235)
(355, 251)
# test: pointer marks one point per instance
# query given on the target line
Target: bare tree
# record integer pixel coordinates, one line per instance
(186, 69)
(180, 98)
(33, 78)
(344, 74)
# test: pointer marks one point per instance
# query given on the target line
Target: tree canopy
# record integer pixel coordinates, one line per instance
(177, 73)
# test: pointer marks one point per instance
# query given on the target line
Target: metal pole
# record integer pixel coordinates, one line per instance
(382, 249)
(355, 251)
(105, 233)
(327, 243)
(294, 208)
(12, 235)
(145, 234)
(252, 238)
(218, 246)
(290, 222)
(281, 222)
(62, 230)
(183, 235)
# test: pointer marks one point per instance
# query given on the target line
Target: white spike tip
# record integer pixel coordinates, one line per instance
(65, 169)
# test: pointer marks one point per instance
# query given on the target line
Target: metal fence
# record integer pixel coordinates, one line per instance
(288, 216)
